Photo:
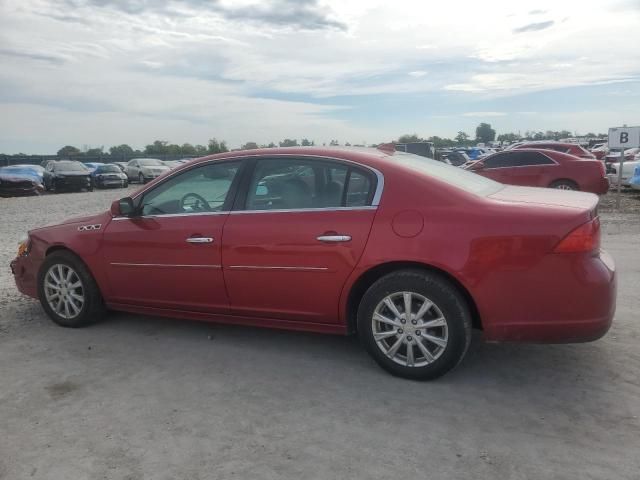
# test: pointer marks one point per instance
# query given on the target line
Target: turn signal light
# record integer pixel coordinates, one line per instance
(585, 238)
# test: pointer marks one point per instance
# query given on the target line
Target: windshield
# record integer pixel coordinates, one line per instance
(70, 167)
(109, 169)
(463, 179)
(151, 162)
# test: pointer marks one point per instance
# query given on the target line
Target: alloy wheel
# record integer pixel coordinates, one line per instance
(410, 329)
(64, 291)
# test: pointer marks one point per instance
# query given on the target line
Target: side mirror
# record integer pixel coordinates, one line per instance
(123, 207)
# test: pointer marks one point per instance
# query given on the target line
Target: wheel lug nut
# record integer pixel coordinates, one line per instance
(403, 321)
(418, 332)
(409, 338)
(414, 322)
(400, 330)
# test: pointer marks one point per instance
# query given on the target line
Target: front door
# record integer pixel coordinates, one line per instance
(300, 231)
(169, 256)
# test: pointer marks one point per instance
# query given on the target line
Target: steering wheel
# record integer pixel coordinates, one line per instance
(198, 204)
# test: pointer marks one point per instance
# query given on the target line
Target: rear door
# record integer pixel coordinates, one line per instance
(297, 232)
(517, 168)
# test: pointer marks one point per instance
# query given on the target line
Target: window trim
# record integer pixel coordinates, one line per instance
(374, 175)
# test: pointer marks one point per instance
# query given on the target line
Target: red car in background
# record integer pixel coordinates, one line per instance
(570, 148)
(543, 168)
(407, 252)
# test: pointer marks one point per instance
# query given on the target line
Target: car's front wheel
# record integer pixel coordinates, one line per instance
(141, 178)
(415, 324)
(67, 291)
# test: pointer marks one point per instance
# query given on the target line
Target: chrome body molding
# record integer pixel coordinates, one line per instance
(163, 265)
(261, 267)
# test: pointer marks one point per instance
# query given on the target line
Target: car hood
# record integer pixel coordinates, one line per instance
(72, 174)
(546, 196)
(100, 218)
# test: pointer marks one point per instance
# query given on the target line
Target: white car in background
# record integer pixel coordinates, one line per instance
(143, 170)
(627, 170)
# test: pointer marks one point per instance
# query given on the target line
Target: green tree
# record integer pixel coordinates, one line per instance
(289, 143)
(508, 137)
(334, 143)
(123, 150)
(158, 147)
(94, 152)
(484, 133)
(217, 147)
(68, 151)
(271, 145)
(462, 138)
(188, 149)
(410, 138)
(200, 150)
(307, 143)
(250, 146)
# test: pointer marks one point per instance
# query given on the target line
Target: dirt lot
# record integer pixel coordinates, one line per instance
(147, 398)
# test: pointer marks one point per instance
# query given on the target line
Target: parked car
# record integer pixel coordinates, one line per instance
(543, 168)
(17, 185)
(629, 155)
(173, 163)
(570, 148)
(91, 166)
(455, 158)
(144, 169)
(108, 175)
(628, 170)
(600, 150)
(34, 172)
(407, 252)
(634, 181)
(121, 165)
(66, 175)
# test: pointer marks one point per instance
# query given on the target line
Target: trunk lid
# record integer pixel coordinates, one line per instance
(549, 197)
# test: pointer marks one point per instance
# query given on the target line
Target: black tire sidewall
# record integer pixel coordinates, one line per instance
(92, 307)
(444, 295)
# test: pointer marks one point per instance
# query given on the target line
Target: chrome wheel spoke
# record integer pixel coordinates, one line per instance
(66, 299)
(73, 286)
(410, 358)
(438, 341)
(383, 335)
(424, 308)
(408, 299)
(425, 351)
(392, 306)
(394, 348)
(382, 319)
(436, 322)
(74, 307)
(53, 286)
(77, 297)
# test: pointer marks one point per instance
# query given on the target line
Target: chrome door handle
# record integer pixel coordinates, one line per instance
(334, 238)
(199, 240)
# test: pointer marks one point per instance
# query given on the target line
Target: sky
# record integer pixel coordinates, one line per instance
(105, 72)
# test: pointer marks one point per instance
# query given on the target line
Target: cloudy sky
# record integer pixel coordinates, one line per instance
(105, 72)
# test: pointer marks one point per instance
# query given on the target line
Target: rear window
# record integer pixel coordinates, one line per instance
(456, 176)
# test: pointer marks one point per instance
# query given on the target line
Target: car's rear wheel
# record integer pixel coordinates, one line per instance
(415, 324)
(67, 291)
(564, 185)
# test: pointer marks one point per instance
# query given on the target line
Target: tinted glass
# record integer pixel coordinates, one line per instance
(516, 159)
(296, 184)
(150, 162)
(198, 190)
(69, 167)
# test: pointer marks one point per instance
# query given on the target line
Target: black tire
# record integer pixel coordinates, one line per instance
(141, 178)
(444, 295)
(90, 189)
(92, 309)
(125, 184)
(564, 185)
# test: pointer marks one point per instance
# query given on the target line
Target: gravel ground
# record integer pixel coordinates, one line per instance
(147, 398)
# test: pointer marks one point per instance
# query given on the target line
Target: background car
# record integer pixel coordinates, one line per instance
(14, 184)
(121, 165)
(634, 182)
(628, 170)
(173, 163)
(629, 155)
(144, 169)
(570, 148)
(67, 175)
(543, 168)
(108, 175)
(91, 166)
(34, 172)
(336, 241)
(600, 150)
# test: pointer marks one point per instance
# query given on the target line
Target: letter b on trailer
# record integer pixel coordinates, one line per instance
(624, 137)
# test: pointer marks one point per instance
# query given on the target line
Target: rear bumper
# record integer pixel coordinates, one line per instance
(572, 300)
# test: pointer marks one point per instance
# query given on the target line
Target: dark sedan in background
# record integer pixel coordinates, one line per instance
(108, 175)
(67, 175)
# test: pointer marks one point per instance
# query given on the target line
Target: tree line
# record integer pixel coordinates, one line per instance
(484, 133)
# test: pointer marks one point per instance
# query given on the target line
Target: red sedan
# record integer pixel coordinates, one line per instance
(544, 168)
(407, 252)
(570, 148)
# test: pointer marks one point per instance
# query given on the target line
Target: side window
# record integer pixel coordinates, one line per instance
(501, 160)
(534, 158)
(198, 190)
(358, 189)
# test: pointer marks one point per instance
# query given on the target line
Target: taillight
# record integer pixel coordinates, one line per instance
(585, 238)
